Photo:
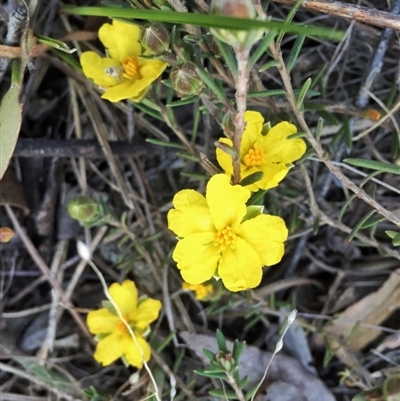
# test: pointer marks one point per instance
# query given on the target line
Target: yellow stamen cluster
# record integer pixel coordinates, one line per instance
(121, 327)
(254, 157)
(131, 67)
(225, 238)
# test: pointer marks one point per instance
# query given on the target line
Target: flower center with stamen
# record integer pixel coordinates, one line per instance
(121, 327)
(225, 238)
(255, 156)
(131, 67)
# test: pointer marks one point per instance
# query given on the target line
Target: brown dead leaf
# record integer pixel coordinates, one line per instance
(12, 193)
(372, 309)
(253, 362)
(6, 234)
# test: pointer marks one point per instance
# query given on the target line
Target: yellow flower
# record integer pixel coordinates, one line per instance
(201, 291)
(123, 74)
(271, 154)
(216, 240)
(115, 339)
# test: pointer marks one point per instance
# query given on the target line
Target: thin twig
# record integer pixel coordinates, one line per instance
(370, 16)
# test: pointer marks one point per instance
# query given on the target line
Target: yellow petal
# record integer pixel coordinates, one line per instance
(95, 67)
(224, 160)
(125, 296)
(266, 235)
(129, 89)
(196, 257)
(101, 321)
(278, 148)
(252, 133)
(147, 311)
(227, 202)
(132, 353)
(240, 268)
(151, 68)
(109, 349)
(121, 40)
(191, 214)
(273, 175)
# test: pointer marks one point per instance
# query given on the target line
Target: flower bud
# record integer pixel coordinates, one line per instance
(239, 40)
(185, 80)
(83, 209)
(154, 38)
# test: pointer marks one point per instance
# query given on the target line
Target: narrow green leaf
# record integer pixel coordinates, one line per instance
(10, 123)
(374, 165)
(318, 131)
(272, 92)
(294, 53)
(244, 382)
(228, 55)
(55, 44)
(215, 375)
(252, 178)
(184, 101)
(237, 350)
(262, 47)
(270, 64)
(359, 225)
(371, 222)
(210, 83)
(203, 20)
(221, 342)
(288, 20)
(316, 225)
(303, 92)
(396, 240)
(391, 234)
(209, 354)
(166, 144)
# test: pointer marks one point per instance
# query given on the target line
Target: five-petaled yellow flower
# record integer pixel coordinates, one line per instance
(215, 239)
(201, 291)
(272, 154)
(123, 73)
(115, 340)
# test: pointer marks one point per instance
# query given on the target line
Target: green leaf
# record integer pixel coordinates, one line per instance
(166, 144)
(294, 53)
(270, 64)
(288, 20)
(223, 393)
(221, 342)
(396, 240)
(253, 211)
(212, 84)
(55, 44)
(209, 354)
(374, 165)
(244, 382)
(262, 47)
(360, 224)
(203, 20)
(10, 123)
(184, 101)
(303, 92)
(213, 375)
(318, 131)
(238, 348)
(228, 55)
(109, 306)
(252, 178)
(391, 234)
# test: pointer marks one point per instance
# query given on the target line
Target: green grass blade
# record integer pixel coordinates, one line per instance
(203, 20)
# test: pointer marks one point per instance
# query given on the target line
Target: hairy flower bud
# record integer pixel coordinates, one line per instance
(155, 38)
(239, 40)
(185, 80)
(83, 209)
